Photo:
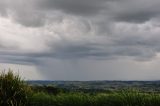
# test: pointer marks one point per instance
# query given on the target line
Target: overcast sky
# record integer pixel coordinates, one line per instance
(81, 39)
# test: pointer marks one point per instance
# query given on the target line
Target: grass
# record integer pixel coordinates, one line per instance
(13, 90)
(123, 98)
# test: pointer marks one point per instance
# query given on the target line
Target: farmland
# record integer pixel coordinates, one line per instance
(147, 86)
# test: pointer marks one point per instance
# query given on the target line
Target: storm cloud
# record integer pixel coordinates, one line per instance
(49, 34)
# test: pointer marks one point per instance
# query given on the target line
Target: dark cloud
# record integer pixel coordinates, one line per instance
(138, 17)
(3, 8)
(23, 12)
(30, 19)
(77, 7)
(134, 47)
(34, 13)
(138, 11)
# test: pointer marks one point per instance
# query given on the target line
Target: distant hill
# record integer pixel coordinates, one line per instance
(100, 85)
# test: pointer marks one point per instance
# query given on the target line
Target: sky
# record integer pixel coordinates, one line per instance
(81, 39)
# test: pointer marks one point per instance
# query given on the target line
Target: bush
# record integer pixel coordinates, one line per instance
(13, 90)
(41, 99)
(47, 89)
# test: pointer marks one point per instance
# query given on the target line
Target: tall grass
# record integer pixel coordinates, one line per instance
(13, 90)
(123, 98)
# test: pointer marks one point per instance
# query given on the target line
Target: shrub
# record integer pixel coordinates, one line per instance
(47, 89)
(13, 90)
(41, 99)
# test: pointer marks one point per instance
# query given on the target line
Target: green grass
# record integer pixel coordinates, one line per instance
(123, 98)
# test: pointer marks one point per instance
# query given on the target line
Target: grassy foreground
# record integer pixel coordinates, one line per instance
(15, 92)
(124, 98)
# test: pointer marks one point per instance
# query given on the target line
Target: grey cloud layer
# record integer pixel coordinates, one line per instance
(33, 12)
(79, 29)
(86, 7)
(135, 11)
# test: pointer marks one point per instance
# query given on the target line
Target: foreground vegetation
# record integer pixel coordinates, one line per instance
(15, 92)
(124, 98)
